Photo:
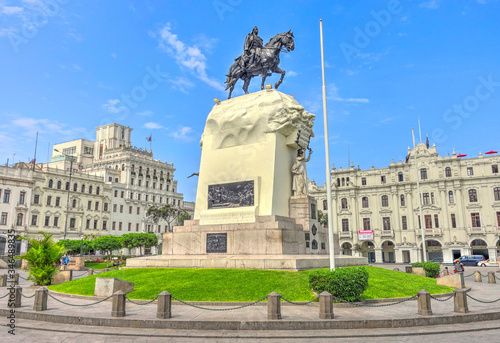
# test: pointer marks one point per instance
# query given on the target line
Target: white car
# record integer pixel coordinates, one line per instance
(487, 263)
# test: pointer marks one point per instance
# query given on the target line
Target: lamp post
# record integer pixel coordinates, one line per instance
(81, 244)
(69, 187)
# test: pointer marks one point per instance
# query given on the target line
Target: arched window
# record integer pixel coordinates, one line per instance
(402, 199)
(123, 167)
(154, 172)
(74, 203)
(83, 188)
(344, 203)
(59, 184)
(343, 182)
(325, 205)
(75, 187)
(116, 167)
(347, 181)
(161, 173)
(472, 195)
(140, 169)
(364, 202)
(67, 186)
(447, 172)
(451, 198)
(90, 189)
(168, 176)
(423, 174)
(50, 183)
(338, 182)
(496, 193)
(400, 176)
(147, 171)
(132, 168)
(97, 190)
(385, 200)
(19, 220)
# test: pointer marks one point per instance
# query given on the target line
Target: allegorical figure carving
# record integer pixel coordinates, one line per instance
(299, 173)
(259, 60)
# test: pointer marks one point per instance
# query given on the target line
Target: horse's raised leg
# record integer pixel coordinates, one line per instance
(246, 83)
(280, 71)
(264, 77)
(230, 91)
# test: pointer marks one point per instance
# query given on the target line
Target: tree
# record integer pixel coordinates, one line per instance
(323, 218)
(42, 258)
(168, 213)
(73, 246)
(108, 244)
(182, 217)
(139, 240)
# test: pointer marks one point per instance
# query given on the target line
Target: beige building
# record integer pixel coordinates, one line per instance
(376, 211)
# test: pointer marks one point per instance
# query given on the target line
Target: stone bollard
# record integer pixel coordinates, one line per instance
(477, 276)
(90, 272)
(461, 301)
(462, 280)
(273, 306)
(164, 305)
(16, 277)
(325, 305)
(424, 303)
(396, 269)
(40, 303)
(118, 307)
(14, 298)
(3, 280)
(491, 277)
(13, 280)
(409, 269)
(105, 270)
(70, 275)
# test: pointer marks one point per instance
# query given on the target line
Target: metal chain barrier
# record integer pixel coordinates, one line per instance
(370, 305)
(297, 303)
(438, 299)
(483, 301)
(136, 303)
(31, 296)
(65, 303)
(4, 295)
(496, 277)
(469, 275)
(219, 309)
(23, 278)
(81, 274)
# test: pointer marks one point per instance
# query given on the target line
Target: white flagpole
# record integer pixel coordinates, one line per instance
(327, 155)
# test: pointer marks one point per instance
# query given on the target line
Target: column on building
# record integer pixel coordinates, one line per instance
(396, 226)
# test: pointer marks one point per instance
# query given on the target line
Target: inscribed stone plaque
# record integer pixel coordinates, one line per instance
(216, 242)
(308, 236)
(235, 194)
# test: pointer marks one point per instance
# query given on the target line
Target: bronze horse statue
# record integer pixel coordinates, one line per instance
(268, 59)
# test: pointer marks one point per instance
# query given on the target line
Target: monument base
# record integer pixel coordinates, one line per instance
(279, 262)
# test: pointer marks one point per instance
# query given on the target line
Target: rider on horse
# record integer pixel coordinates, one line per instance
(252, 43)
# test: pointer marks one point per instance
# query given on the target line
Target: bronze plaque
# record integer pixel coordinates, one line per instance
(216, 242)
(229, 195)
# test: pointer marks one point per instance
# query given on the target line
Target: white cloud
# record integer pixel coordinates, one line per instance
(291, 73)
(189, 57)
(152, 125)
(7, 31)
(113, 106)
(11, 10)
(145, 113)
(183, 133)
(182, 84)
(432, 5)
(333, 94)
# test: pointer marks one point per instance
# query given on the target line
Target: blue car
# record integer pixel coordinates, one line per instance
(471, 260)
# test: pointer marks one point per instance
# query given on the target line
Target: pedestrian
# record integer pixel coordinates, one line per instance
(65, 261)
(459, 267)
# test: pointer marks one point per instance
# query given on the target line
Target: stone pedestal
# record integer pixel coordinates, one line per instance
(461, 300)
(325, 306)
(104, 287)
(164, 310)
(424, 303)
(273, 306)
(40, 303)
(76, 263)
(61, 277)
(118, 305)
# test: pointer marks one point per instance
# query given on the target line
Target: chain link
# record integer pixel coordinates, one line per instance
(483, 301)
(369, 305)
(297, 303)
(65, 303)
(438, 299)
(133, 302)
(4, 295)
(31, 296)
(496, 277)
(80, 274)
(469, 275)
(219, 309)
(23, 278)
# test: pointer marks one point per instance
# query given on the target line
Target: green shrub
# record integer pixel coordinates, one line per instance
(344, 283)
(431, 268)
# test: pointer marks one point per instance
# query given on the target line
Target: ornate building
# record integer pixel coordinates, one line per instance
(376, 211)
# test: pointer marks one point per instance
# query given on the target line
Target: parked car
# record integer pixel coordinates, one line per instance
(471, 260)
(487, 263)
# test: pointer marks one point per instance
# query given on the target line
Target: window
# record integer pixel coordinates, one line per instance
(132, 181)
(129, 226)
(121, 208)
(137, 227)
(69, 151)
(104, 223)
(402, 199)
(366, 223)
(114, 225)
(494, 169)
(6, 196)
(19, 220)
(344, 203)
(3, 220)
(498, 219)
(72, 223)
(119, 226)
(436, 221)
(385, 201)
(419, 223)
(56, 221)
(453, 221)
(83, 188)
(122, 194)
(472, 195)
(97, 205)
(75, 187)
(432, 198)
(496, 193)
(161, 186)
(90, 189)
(154, 185)
(22, 195)
(87, 225)
(147, 183)
(97, 190)
(364, 202)
(476, 221)
(95, 224)
(146, 197)
(138, 197)
(36, 199)
(49, 200)
(138, 210)
(425, 199)
(123, 167)
(423, 174)
(130, 210)
(51, 183)
(428, 221)
(74, 203)
(447, 172)
(450, 197)
(67, 186)
(386, 223)
(88, 150)
(58, 201)
(345, 225)
(116, 193)
(325, 205)
(382, 179)
(47, 220)
(59, 184)
(105, 207)
(34, 218)
(470, 171)
(114, 207)
(140, 182)
(131, 195)
(89, 205)
(400, 177)
(404, 223)
(363, 181)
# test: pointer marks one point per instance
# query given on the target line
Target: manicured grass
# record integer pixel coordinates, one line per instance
(245, 285)
(95, 265)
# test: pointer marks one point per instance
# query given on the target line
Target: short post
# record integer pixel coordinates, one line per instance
(90, 272)
(325, 305)
(118, 306)
(164, 305)
(273, 306)
(15, 296)
(477, 276)
(70, 275)
(3, 280)
(462, 280)
(491, 277)
(461, 301)
(16, 278)
(409, 269)
(424, 303)
(40, 303)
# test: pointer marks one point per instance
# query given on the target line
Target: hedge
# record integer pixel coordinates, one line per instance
(344, 283)
(431, 268)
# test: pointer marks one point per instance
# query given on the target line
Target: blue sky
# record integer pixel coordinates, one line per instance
(67, 66)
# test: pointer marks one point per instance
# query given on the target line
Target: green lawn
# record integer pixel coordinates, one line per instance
(95, 265)
(245, 285)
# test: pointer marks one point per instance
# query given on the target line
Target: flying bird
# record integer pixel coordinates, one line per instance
(197, 174)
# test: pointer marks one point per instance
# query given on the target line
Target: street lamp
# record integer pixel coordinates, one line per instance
(69, 187)
(81, 244)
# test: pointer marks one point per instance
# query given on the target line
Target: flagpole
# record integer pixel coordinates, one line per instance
(327, 157)
(34, 158)
(422, 229)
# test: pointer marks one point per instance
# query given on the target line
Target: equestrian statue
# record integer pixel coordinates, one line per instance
(259, 60)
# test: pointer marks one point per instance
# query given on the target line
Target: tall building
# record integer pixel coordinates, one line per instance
(376, 212)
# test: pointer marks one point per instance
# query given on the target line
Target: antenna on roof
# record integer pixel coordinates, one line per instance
(419, 131)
